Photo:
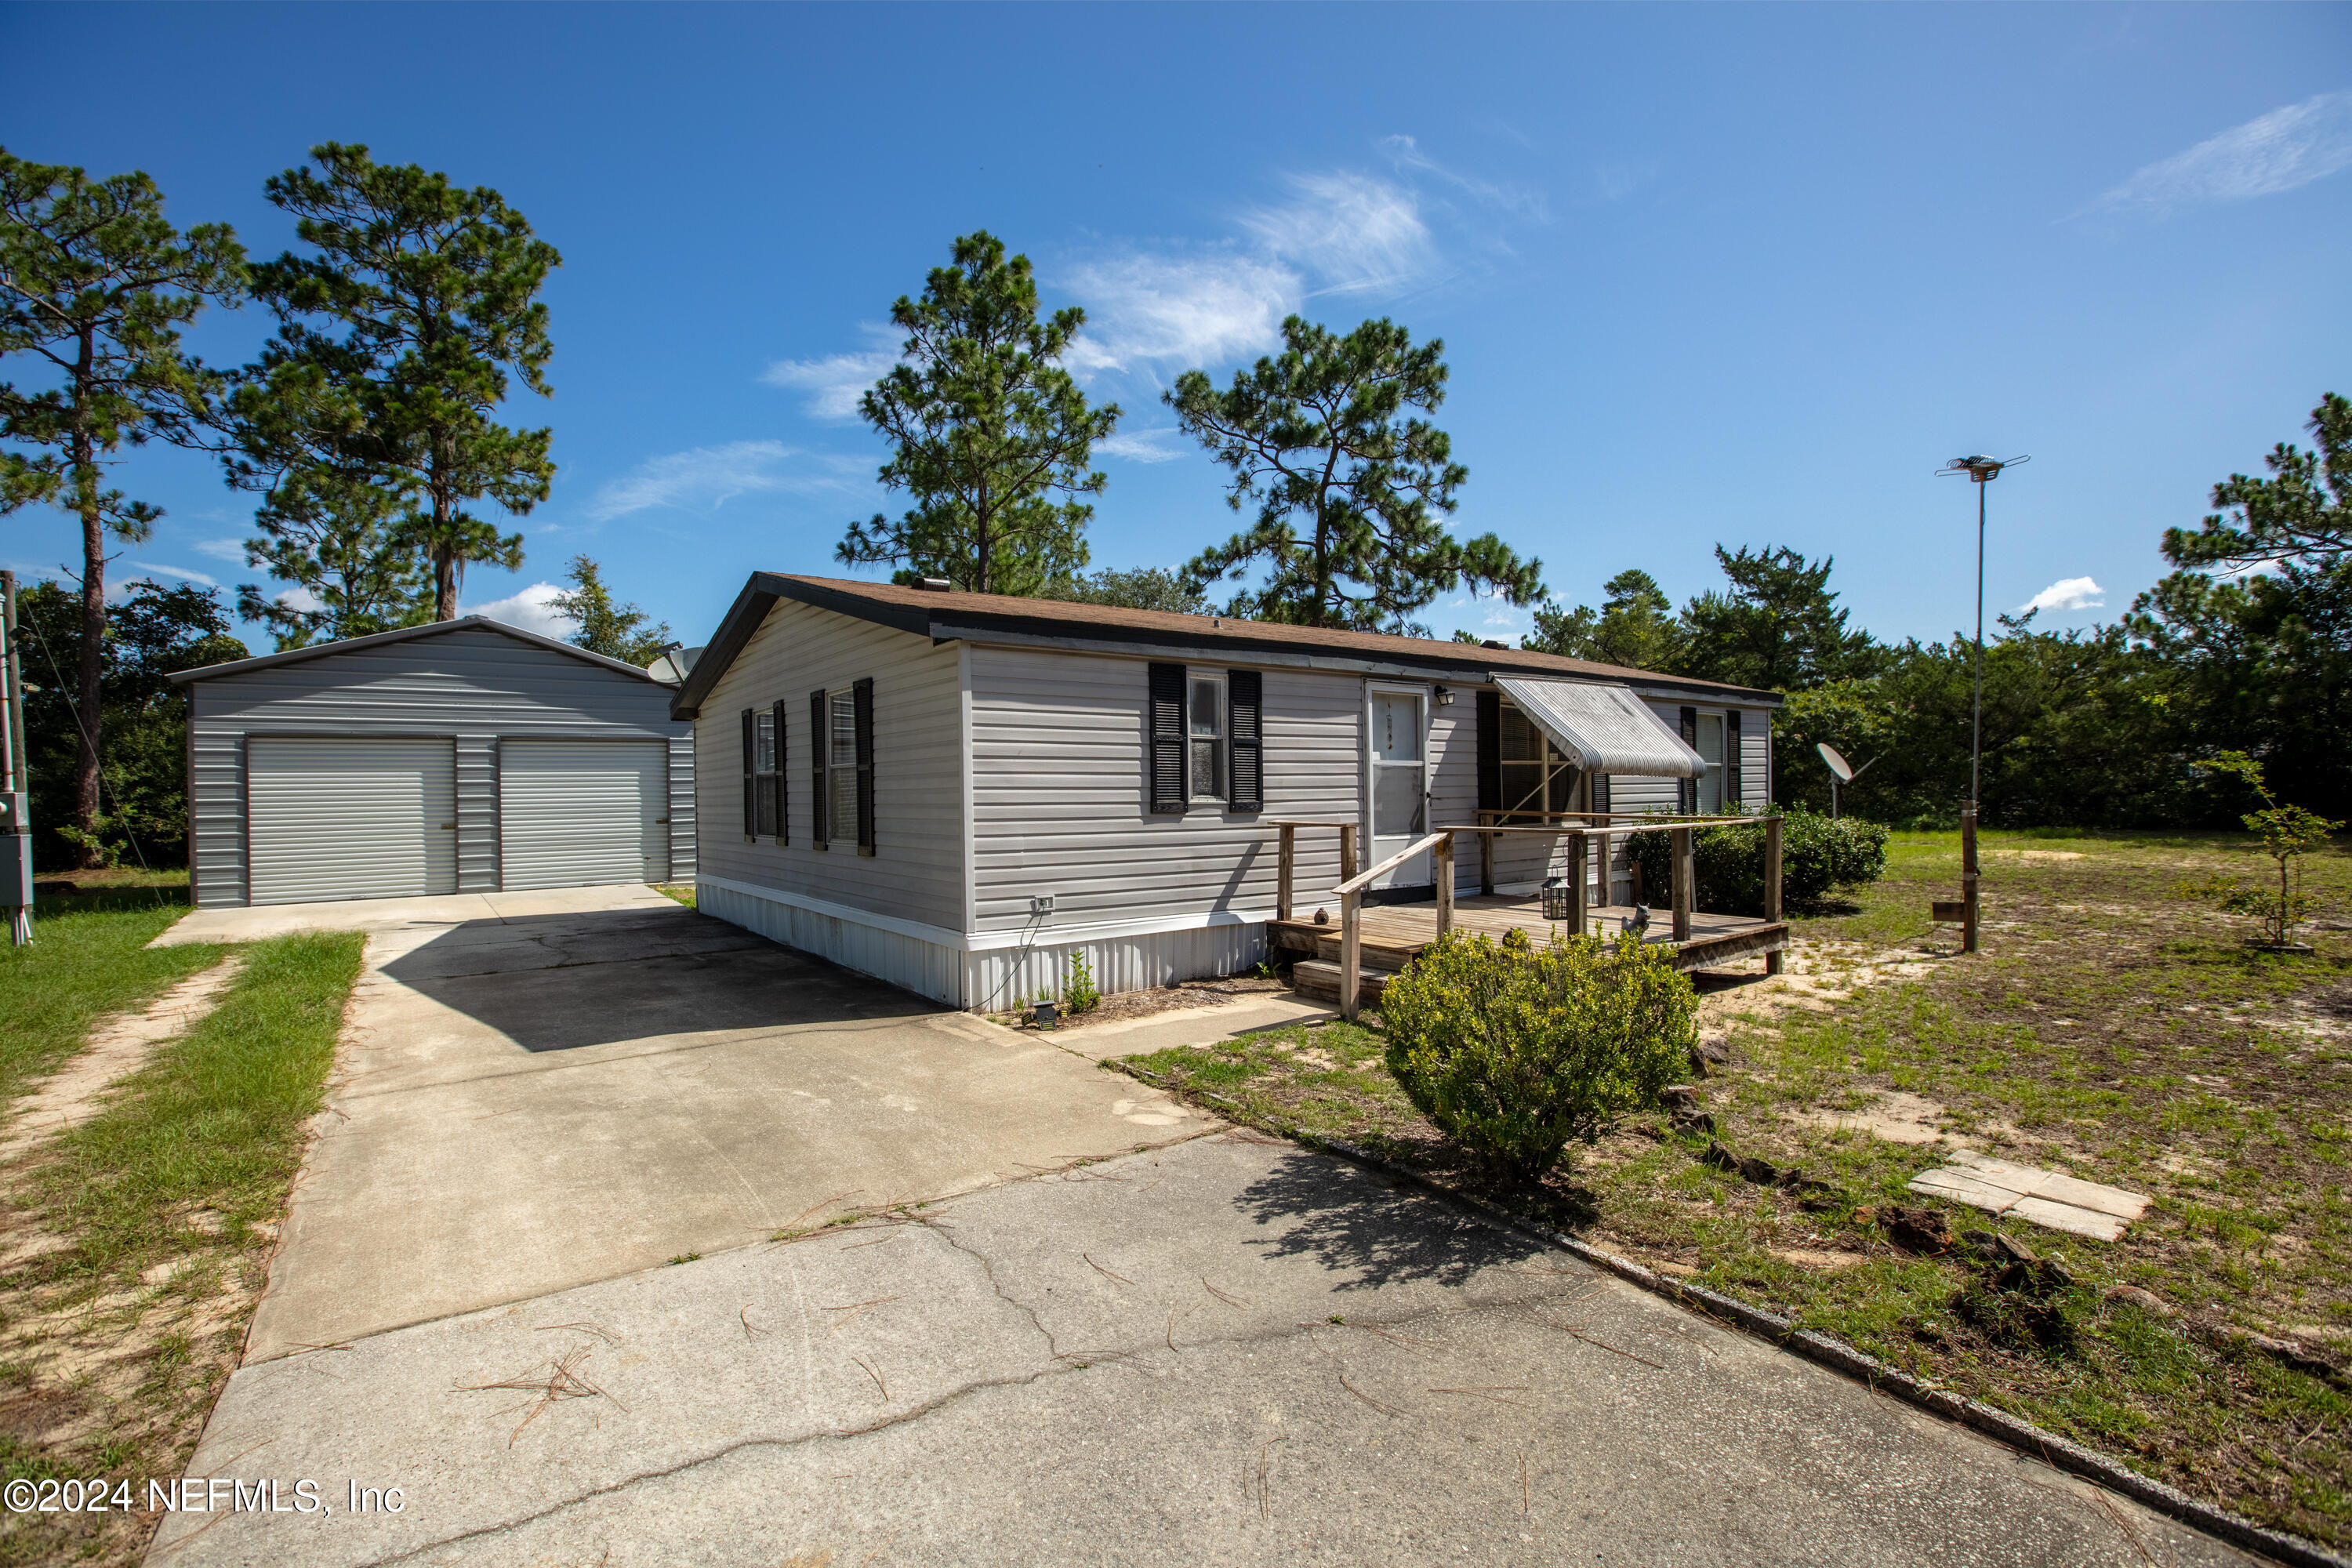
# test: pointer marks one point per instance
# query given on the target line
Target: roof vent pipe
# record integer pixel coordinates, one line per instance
(935, 585)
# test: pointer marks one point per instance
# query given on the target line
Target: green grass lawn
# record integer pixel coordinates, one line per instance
(2109, 1028)
(138, 1240)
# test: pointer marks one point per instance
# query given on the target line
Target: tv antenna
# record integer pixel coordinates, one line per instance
(1841, 772)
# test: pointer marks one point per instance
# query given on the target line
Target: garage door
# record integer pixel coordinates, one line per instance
(576, 813)
(336, 818)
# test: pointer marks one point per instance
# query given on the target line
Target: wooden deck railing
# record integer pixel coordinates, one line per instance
(1588, 826)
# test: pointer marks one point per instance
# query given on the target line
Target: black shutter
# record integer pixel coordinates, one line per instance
(751, 788)
(784, 795)
(820, 744)
(1734, 799)
(1687, 796)
(1490, 751)
(862, 704)
(1244, 700)
(1164, 725)
(1600, 792)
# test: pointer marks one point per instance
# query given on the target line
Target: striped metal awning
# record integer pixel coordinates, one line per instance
(1603, 729)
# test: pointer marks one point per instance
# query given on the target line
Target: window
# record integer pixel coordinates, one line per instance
(1536, 777)
(841, 745)
(764, 774)
(1709, 745)
(1204, 732)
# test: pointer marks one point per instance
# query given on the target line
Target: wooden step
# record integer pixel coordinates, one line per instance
(1320, 982)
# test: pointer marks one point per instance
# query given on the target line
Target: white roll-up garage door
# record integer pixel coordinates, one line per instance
(575, 813)
(333, 817)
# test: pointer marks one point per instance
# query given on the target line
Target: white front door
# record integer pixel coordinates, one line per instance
(1397, 745)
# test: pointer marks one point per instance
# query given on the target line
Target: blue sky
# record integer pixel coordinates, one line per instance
(1744, 274)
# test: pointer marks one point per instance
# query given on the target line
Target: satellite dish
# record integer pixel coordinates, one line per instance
(1838, 764)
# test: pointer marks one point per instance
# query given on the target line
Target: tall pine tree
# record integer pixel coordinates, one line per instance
(992, 439)
(1349, 480)
(398, 336)
(95, 285)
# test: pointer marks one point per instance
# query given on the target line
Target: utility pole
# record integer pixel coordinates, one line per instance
(1982, 470)
(16, 785)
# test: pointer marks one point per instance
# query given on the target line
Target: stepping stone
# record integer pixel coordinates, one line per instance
(2051, 1199)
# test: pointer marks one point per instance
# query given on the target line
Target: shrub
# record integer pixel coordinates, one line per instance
(1083, 996)
(1817, 853)
(1514, 1050)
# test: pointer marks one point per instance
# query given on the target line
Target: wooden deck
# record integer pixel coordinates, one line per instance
(1393, 934)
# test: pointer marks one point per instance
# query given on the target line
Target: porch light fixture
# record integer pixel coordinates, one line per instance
(1980, 471)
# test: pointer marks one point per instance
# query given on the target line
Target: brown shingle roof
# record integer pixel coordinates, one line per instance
(952, 613)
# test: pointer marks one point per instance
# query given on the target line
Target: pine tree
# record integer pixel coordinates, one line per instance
(95, 285)
(616, 631)
(396, 340)
(992, 438)
(1634, 627)
(1321, 439)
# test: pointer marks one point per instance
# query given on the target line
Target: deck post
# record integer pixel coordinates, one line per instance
(1773, 960)
(1289, 865)
(1444, 861)
(1347, 852)
(1685, 872)
(1579, 884)
(1351, 942)
(1969, 875)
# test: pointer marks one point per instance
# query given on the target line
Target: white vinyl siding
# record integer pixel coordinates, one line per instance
(577, 813)
(1062, 786)
(916, 872)
(341, 817)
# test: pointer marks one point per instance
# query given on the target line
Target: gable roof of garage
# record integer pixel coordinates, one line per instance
(408, 633)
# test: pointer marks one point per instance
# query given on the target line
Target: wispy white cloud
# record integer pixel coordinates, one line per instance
(1181, 307)
(302, 599)
(1159, 444)
(1406, 152)
(1618, 181)
(707, 477)
(835, 383)
(1351, 233)
(177, 572)
(534, 609)
(229, 550)
(2067, 594)
(2276, 152)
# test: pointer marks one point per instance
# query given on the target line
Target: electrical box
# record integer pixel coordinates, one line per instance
(1041, 904)
(12, 810)
(15, 868)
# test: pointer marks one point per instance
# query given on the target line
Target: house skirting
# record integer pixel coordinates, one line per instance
(990, 971)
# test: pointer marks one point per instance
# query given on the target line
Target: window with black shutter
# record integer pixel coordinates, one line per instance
(1735, 795)
(1244, 696)
(1166, 740)
(861, 715)
(819, 748)
(1687, 792)
(750, 776)
(780, 798)
(764, 750)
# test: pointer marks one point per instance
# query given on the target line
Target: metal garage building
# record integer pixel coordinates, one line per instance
(464, 756)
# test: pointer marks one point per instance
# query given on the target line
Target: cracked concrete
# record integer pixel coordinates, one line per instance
(1224, 1350)
(584, 1084)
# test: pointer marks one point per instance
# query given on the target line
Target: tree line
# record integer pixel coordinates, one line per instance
(368, 428)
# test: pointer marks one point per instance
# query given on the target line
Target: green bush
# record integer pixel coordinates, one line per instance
(1513, 1051)
(1817, 853)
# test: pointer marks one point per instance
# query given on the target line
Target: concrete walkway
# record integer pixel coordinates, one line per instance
(540, 1089)
(1228, 1350)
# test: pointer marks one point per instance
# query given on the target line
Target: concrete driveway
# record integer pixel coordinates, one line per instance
(1226, 1352)
(542, 1089)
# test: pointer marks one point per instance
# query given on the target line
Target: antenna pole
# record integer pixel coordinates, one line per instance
(1975, 746)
